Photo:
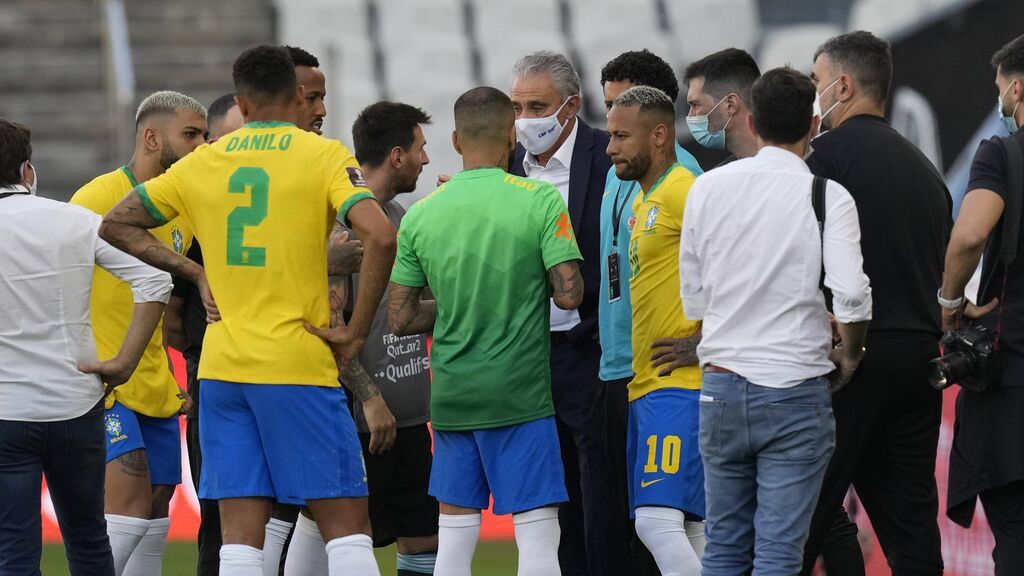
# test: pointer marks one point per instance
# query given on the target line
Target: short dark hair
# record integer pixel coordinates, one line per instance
(483, 113)
(725, 71)
(264, 74)
(783, 100)
(302, 58)
(382, 126)
(864, 56)
(220, 108)
(643, 68)
(15, 149)
(1010, 58)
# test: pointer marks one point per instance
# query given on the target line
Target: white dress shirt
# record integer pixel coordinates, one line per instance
(750, 266)
(557, 173)
(47, 253)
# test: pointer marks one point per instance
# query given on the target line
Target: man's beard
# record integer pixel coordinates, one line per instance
(638, 166)
(168, 156)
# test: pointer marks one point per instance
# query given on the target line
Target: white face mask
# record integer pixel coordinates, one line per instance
(538, 135)
(817, 103)
(35, 180)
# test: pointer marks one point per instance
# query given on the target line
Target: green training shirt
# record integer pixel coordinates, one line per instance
(484, 242)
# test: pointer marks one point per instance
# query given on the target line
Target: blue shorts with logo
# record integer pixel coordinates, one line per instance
(159, 437)
(291, 443)
(663, 451)
(520, 465)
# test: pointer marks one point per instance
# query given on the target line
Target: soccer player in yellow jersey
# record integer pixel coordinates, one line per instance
(666, 475)
(274, 424)
(143, 434)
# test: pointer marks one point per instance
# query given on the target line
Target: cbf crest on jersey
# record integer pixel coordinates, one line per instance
(652, 217)
(178, 241)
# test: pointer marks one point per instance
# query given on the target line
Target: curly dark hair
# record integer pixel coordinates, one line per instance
(643, 68)
(302, 58)
(265, 74)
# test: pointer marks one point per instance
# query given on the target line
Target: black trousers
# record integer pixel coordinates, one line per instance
(71, 454)
(595, 537)
(615, 420)
(209, 537)
(1004, 508)
(887, 432)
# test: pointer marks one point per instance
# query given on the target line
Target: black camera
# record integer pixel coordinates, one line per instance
(970, 359)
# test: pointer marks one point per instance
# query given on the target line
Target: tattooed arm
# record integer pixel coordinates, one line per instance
(126, 228)
(566, 284)
(408, 313)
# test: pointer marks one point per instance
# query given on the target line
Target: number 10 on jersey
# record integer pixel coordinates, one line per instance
(256, 182)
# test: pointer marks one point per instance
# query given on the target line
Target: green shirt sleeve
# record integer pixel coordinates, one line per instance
(407, 270)
(557, 239)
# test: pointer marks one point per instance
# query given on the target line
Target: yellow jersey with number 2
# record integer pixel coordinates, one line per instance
(152, 390)
(262, 201)
(654, 281)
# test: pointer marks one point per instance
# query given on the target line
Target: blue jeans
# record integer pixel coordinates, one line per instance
(765, 451)
(71, 454)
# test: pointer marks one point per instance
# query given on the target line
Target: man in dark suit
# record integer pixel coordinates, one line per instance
(559, 148)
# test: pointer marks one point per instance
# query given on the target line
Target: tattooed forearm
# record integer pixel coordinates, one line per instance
(134, 463)
(407, 313)
(567, 285)
(357, 381)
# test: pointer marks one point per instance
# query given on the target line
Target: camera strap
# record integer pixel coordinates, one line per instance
(818, 203)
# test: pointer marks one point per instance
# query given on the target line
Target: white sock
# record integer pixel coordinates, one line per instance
(147, 559)
(695, 533)
(352, 556)
(537, 536)
(457, 535)
(661, 530)
(307, 554)
(125, 533)
(422, 563)
(240, 560)
(273, 543)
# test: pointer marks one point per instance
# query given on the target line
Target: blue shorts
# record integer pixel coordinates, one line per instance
(159, 437)
(521, 465)
(291, 443)
(663, 452)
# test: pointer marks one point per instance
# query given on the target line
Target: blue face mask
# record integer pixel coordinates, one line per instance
(1009, 121)
(698, 126)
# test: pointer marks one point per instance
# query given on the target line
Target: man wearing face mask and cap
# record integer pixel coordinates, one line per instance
(887, 418)
(718, 93)
(559, 148)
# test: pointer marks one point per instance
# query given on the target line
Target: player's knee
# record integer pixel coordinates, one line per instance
(162, 501)
(417, 544)
(652, 523)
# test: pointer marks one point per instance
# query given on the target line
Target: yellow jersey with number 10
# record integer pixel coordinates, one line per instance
(151, 390)
(262, 201)
(654, 281)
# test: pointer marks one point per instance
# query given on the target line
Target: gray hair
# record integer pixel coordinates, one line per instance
(643, 96)
(567, 80)
(167, 102)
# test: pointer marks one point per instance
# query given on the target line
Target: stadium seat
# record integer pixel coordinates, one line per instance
(794, 45)
(440, 62)
(701, 27)
(400, 21)
(885, 18)
(498, 58)
(505, 31)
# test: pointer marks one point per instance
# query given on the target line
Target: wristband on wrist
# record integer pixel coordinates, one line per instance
(954, 304)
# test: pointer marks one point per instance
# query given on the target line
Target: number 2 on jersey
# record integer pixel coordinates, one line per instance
(257, 183)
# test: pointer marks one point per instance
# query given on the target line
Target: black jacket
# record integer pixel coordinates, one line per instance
(588, 171)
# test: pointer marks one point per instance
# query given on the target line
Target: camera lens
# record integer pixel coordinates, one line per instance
(938, 374)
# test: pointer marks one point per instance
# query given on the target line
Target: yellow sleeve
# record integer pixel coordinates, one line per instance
(95, 197)
(676, 201)
(162, 196)
(347, 186)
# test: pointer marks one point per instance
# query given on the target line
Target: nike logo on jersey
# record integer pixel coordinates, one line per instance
(645, 483)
